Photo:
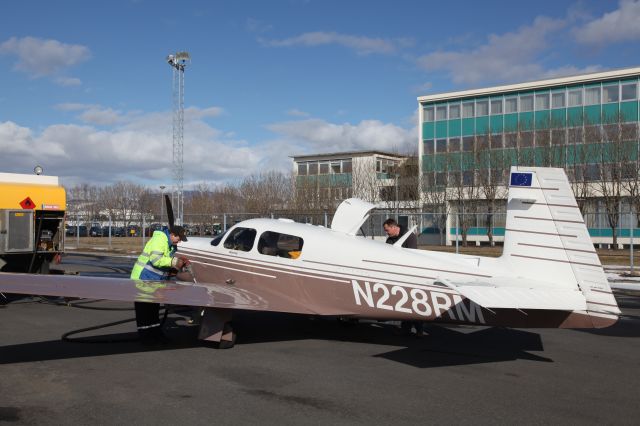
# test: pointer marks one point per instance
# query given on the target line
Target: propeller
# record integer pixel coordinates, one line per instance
(170, 217)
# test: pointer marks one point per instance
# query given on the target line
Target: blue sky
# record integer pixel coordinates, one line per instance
(85, 90)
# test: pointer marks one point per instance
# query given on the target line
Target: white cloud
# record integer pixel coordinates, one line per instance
(71, 106)
(506, 57)
(68, 81)
(422, 88)
(294, 112)
(138, 148)
(101, 116)
(257, 26)
(194, 113)
(570, 70)
(623, 24)
(319, 136)
(362, 45)
(39, 57)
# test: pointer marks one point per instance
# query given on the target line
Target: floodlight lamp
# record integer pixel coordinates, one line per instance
(183, 56)
(38, 170)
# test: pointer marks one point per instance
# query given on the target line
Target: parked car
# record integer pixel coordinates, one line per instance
(81, 230)
(118, 231)
(95, 231)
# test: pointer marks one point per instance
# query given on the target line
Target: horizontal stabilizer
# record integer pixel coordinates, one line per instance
(492, 297)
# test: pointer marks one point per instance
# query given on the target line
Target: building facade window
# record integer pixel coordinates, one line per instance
(441, 145)
(427, 147)
(526, 103)
(467, 110)
(482, 108)
(542, 101)
(592, 96)
(467, 143)
(428, 114)
(454, 111)
(441, 112)
(496, 107)
(313, 168)
(302, 169)
(511, 105)
(557, 100)
(575, 97)
(610, 94)
(629, 91)
(454, 144)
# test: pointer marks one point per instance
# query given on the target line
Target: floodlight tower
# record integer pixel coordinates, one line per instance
(178, 62)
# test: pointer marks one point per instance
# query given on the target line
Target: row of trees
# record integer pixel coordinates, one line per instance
(601, 161)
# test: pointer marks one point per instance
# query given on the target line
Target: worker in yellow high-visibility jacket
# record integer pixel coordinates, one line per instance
(155, 264)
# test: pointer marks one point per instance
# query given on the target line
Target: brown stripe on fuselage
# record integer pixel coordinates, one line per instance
(427, 269)
(368, 269)
(288, 269)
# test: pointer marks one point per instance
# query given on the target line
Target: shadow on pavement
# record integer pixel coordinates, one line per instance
(442, 346)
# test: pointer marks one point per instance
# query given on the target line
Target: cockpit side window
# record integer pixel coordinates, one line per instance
(218, 238)
(240, 239)
(282, 245)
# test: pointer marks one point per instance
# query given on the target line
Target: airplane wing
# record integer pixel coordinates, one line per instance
(127, 290)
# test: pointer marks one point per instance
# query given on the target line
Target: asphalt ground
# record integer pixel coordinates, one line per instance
(288, 369)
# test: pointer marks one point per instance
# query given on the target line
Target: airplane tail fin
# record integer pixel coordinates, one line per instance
(547, 240)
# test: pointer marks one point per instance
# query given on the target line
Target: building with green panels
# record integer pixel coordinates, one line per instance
(586, 124)
(326, 179)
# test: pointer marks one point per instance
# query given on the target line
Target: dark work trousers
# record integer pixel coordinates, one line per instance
(147, 318)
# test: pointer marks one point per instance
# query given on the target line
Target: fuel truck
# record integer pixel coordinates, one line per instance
(32, 212)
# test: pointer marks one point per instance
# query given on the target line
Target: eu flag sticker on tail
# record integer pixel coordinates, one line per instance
(521, 179)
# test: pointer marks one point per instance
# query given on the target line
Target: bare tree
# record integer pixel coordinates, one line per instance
(464, 187)
(122, 200)
(266, 192)
(631, 170)
(85, 198)
(491, 164)
(613, 154)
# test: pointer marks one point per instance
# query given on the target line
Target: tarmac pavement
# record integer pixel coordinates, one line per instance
(289, 369)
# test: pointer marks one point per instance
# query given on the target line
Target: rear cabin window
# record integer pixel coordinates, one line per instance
(282, 245)
(240, 239)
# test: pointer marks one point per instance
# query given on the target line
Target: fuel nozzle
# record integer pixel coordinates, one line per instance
(187, 268)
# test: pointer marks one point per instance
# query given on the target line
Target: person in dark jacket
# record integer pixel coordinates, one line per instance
(394, 232)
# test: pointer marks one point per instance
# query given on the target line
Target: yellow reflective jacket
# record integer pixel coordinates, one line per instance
(154, 262)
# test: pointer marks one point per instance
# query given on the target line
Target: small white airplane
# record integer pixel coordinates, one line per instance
(549, 274)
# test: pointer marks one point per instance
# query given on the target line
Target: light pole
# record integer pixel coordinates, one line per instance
(397, 175)
(162, 187)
